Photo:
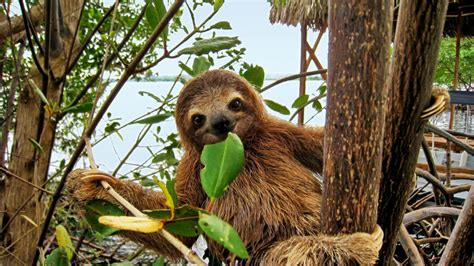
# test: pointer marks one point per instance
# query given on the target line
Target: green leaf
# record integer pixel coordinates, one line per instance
(58, 257)
(64, 241)
(160, 261)
(200, 65)
(300, 101)
(170, 193)
(223, 233)
(323, 88)
(255, 75)
(36, 145)
(151, 15)
(187, 225)
(205, 46)
(39, 92)
(79, 108)
(161, 9)
(154, 13)
(186, 69)
(156, 98)
(153, 119)
(218, 4)
(222, 163)
(186, 228)
(221, 25)
(317, 105)
(96, 208)
(277, 107)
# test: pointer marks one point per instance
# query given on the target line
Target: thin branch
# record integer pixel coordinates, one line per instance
(292, 77)
(429, 212)
(8, 173)
(317, 98)
(167, 54)
(112, 57)
(450, 137)
(447, 191)
(433, 171)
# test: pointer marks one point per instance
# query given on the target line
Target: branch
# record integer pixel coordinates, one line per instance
(409, 246)
(88, 132)
(8, 173)
(450, 137)
(429, 212)
(292, 77)
(112, 57)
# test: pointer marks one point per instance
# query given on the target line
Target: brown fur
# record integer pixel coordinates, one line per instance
(275, 201)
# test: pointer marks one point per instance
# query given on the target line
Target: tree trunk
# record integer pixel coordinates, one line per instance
(359, 38)
(33, 123)
(417, 39)
(460, 248)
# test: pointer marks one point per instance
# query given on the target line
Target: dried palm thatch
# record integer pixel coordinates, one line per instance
(313, 13)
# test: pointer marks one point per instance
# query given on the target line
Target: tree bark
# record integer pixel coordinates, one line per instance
(417, 39)
(359, 38)
(33, 123)
(36, 17)
(460, 248)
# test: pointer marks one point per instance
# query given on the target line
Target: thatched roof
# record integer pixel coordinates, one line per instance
(314, 13)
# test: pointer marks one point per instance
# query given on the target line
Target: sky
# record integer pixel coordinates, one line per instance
(274, 47)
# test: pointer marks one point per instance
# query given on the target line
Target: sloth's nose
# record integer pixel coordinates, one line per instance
(222, 124)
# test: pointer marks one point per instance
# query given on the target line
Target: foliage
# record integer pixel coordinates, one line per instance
(445, 69)
(223, 162)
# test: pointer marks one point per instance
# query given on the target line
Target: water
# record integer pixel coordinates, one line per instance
(129, 104)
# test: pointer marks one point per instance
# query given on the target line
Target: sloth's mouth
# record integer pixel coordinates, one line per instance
(211, 138)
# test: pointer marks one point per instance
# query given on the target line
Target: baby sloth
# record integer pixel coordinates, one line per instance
(274, 203)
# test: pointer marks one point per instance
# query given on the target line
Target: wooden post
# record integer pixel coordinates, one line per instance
(302, 70)
(359, 38)
(417, 39)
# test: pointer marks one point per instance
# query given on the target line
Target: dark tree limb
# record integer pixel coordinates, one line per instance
(417, 40)
(357, 67)
(460, 248)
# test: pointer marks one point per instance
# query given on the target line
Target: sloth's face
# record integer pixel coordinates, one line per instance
(215, 103)
(211, 118)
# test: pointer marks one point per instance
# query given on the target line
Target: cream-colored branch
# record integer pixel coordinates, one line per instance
(189, 255)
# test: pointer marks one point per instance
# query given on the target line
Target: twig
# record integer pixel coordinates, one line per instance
(447, 191)
(5, 171)
(409, 246)
(112, 57)
(304, 74)
(432, 167)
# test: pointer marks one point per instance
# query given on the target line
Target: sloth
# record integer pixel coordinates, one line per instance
(274, 203)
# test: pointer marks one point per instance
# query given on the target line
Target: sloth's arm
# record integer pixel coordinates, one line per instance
(85, 185)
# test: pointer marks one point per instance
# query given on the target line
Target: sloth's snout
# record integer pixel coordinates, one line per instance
(222, 124)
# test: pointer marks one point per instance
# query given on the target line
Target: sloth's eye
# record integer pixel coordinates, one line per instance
(235, 105)
(198, 120)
